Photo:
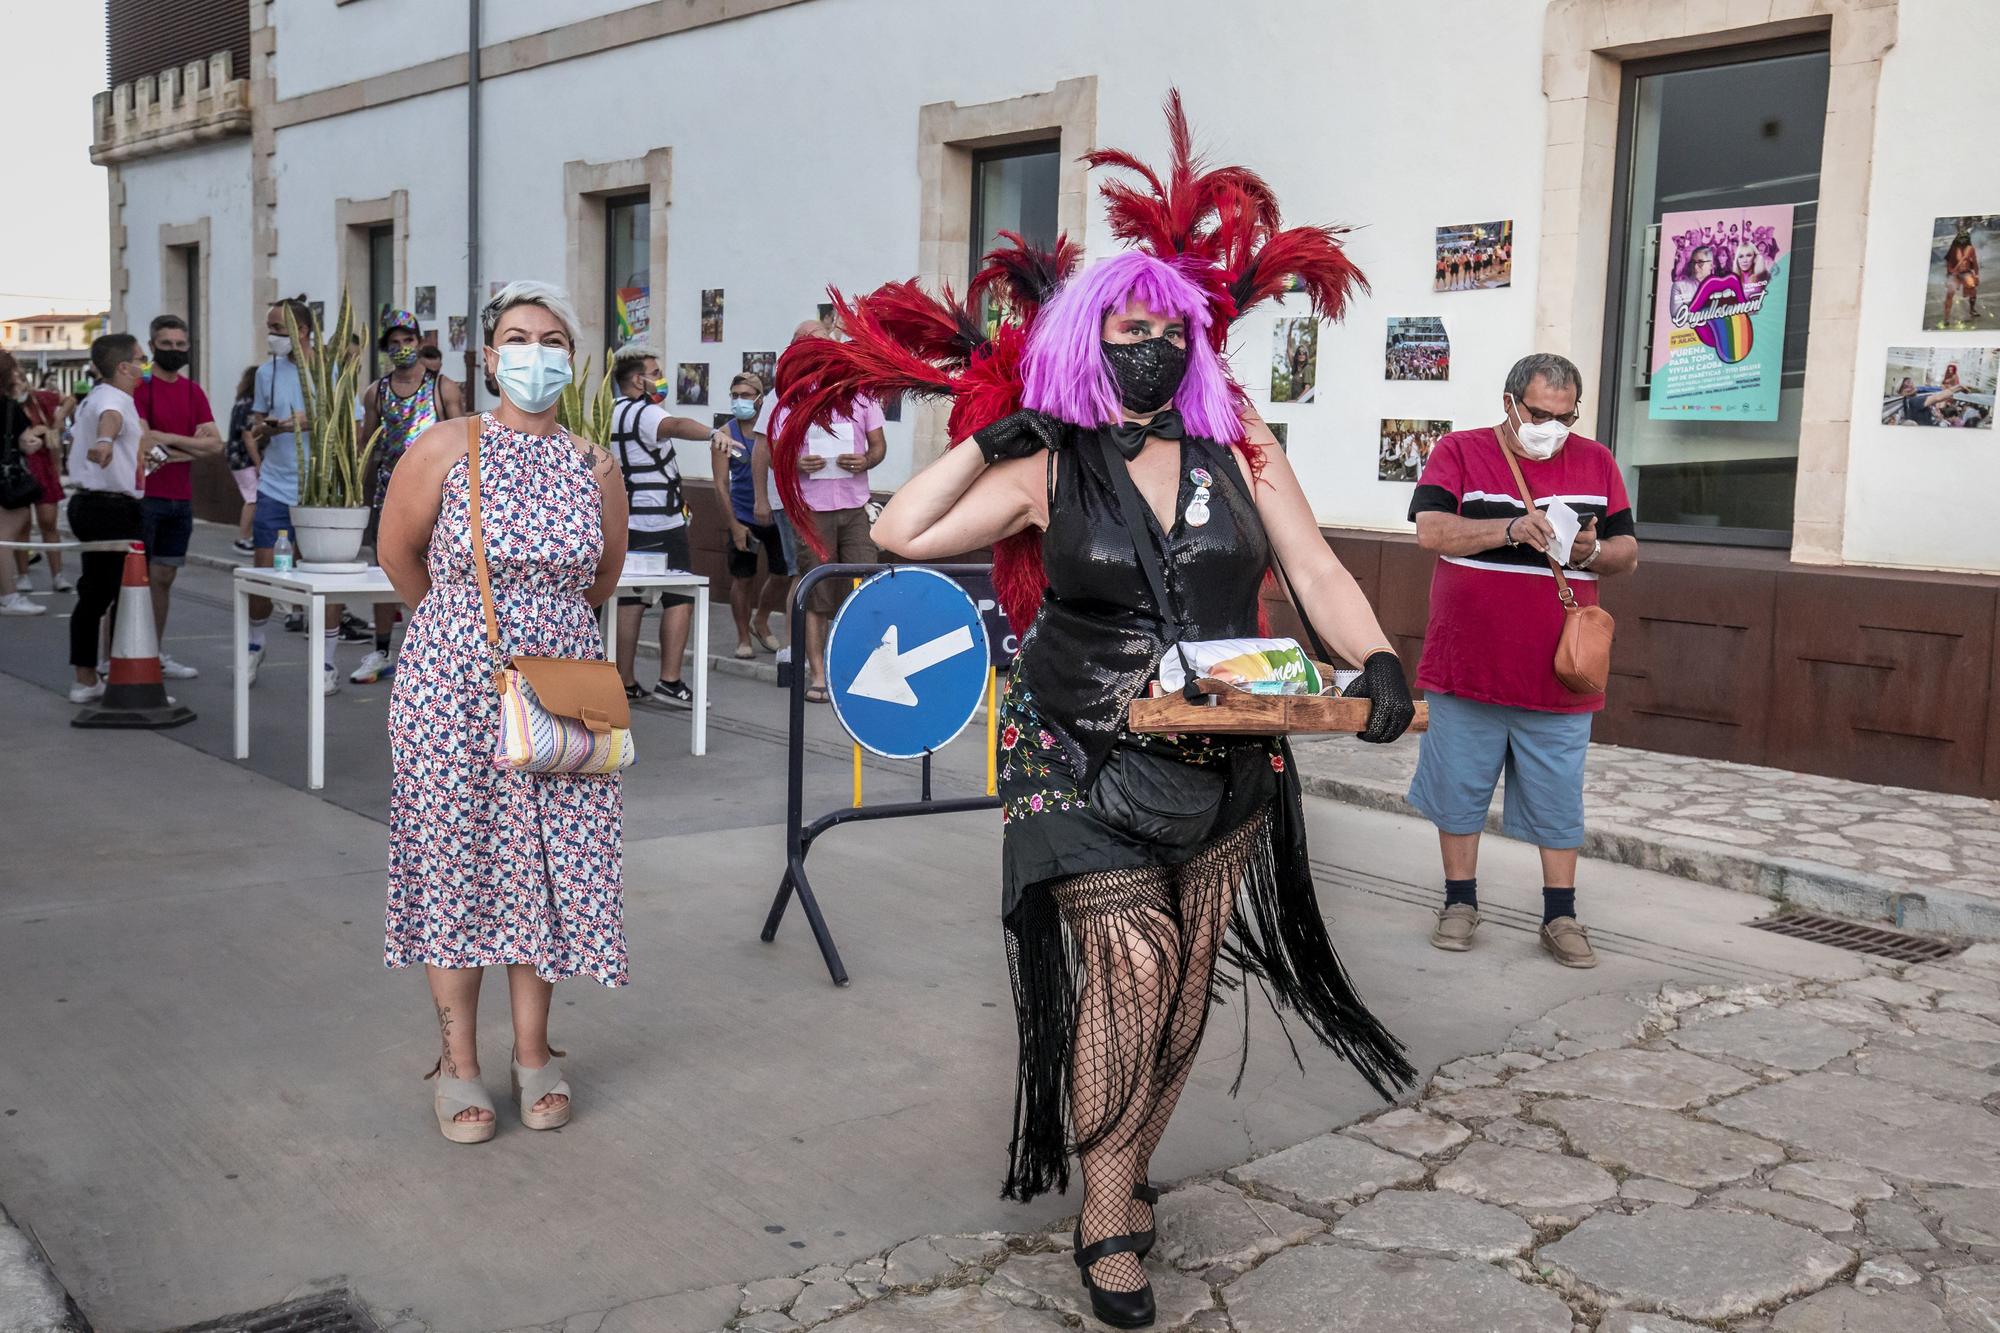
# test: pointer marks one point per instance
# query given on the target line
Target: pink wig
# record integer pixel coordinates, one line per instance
(1064, 372)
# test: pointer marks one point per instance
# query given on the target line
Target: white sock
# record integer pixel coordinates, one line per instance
(257, 634)
(332, 639)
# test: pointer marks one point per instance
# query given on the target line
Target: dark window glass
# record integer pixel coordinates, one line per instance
(1013, 189)
(192, 304)
(381, 292)
(627, 268)
(1701, 136)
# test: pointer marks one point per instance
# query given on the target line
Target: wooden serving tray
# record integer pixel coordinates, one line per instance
(1237, 713)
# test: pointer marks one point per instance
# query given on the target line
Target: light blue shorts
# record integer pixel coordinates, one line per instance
(1468, 746)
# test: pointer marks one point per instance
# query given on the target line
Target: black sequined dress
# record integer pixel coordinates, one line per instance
(1094, 646)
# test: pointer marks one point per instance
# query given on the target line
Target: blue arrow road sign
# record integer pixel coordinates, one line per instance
(907, 659)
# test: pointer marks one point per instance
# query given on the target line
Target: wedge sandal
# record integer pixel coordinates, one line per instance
(455, 1096)
(531, 1085)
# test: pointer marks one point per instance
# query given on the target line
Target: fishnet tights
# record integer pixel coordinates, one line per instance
(1147, 939)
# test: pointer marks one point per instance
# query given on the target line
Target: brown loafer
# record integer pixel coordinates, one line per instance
(1454, 927)
(1568, 942)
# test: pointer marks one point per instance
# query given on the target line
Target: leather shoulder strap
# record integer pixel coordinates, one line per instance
(1232, 467)
(1563, 594)
(1138, 522)
(473, 424)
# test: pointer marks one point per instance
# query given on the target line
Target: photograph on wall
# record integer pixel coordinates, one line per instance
(455, 331)
(892, 407)
(1474, 255)
(634, 312)
(764, 365)
(711, 314)
(691, 383)
(318, 309)
(826, 315)
(1294, 360)
(1416, 349)
(1961, 247)
(1406, 446)
(495, 287)
(1719, 313)
(427, 303)
(1940, 386)
(721, 420)
(1281, 432)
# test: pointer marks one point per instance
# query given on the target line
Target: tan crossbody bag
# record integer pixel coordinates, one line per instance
(1583, 653)
(557, 714)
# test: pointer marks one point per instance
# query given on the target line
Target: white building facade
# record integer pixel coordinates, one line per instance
(769, 148)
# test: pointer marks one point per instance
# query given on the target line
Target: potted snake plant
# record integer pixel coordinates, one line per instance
(331, 516)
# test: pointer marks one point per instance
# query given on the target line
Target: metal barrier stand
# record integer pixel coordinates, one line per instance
(800, 835)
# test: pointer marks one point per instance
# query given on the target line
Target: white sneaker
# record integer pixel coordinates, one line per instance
(373, 667)
(329, 680)
(104, 666)
(176, 670)
(86, 694)
(64, 584)
(18, 604)
(256, 660)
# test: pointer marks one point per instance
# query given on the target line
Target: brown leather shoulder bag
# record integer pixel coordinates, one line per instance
(1583, 653)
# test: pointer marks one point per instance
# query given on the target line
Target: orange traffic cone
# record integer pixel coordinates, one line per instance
(135, 695)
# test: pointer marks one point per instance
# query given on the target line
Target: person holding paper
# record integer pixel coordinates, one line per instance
(1490, 647)
(835, 463)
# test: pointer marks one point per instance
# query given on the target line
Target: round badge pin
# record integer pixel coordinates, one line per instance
(1200, 476)
(1197, 514)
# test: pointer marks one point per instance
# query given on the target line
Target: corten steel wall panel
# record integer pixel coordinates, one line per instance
(1990, 781)
(1691, 667)
(1883, 679)
(1403, 597)
(146, 36)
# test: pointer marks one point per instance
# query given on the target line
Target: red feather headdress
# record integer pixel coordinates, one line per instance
(903, 340)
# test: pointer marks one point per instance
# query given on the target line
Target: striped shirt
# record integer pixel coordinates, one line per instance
(1494, 616)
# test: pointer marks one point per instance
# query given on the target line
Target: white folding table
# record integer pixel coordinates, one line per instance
(310, 591)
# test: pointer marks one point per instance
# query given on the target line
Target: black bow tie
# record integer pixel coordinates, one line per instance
(1131, 436)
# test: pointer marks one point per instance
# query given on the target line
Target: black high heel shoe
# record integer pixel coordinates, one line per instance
(1149, 1194)
(1120, 1309)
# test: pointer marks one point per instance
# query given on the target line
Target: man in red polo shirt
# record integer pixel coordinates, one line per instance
(180, 425)
(1489, 652)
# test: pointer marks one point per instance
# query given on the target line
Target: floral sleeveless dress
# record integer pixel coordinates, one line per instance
(485, 865)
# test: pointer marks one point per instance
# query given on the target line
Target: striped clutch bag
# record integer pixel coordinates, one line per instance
(535, 740)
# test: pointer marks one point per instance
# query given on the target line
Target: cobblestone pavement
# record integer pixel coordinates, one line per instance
(1923, 859)
(1819, 1157)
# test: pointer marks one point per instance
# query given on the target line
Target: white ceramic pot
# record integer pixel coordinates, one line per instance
(328, 536)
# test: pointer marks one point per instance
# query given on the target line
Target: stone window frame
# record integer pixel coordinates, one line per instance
(353, 219)
(587, 188)
(184, 236)
(949, 135)
(1585, 44)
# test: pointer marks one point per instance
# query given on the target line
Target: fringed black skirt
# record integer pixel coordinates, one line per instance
(1067, 872)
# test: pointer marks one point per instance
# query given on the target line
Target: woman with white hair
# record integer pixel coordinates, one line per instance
(488, 866)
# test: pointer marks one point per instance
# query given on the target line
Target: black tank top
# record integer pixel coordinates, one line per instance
(1098, 638)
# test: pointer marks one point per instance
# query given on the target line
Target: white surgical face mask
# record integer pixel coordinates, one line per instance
(279, 343)
(1539, 440)
(532, 375)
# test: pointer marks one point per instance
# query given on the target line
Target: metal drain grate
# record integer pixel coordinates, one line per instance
(1857, 938)
(331, 1312)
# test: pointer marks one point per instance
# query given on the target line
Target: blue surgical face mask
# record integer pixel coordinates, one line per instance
(744, 408)
(532, 375)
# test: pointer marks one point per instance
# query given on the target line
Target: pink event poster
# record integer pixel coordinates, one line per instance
(1719, 313)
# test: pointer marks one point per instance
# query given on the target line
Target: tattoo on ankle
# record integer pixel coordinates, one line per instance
(449, 1065)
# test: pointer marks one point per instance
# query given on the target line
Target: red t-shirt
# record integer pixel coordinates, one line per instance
(175, 407)
(1495, 618)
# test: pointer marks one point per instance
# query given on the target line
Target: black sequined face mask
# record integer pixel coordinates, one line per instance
(1148, 373)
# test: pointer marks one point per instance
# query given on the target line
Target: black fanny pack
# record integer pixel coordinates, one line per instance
(1153, 797)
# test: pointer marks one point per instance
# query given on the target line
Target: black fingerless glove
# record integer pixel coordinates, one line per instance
(1021, 435)
(1383, 684)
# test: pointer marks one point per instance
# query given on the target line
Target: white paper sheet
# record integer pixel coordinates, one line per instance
(1567, 523)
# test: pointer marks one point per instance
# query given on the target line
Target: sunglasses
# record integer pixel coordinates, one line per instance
(1539, 417)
